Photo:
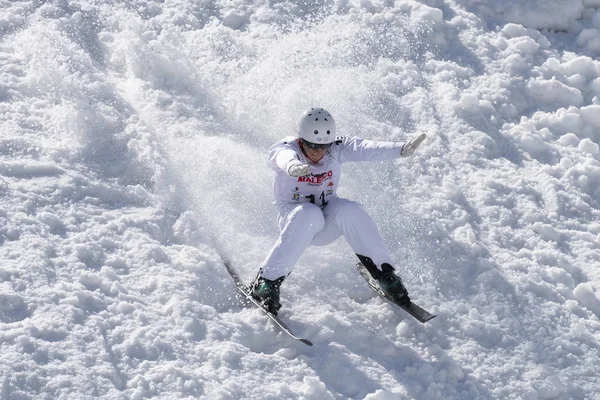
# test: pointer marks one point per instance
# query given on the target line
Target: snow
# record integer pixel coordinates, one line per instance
(133, 142)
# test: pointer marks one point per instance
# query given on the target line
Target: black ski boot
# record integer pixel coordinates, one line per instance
(267, 292)
(392, 285)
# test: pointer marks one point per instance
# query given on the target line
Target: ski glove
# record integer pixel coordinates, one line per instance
(410, 146)
(296, 168)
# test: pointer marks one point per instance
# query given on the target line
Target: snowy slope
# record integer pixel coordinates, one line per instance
(132, 161)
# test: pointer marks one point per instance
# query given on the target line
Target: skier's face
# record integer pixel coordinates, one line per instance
(314, 151)
(314, 155)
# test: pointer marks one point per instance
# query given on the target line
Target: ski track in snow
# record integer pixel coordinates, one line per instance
(132, 162)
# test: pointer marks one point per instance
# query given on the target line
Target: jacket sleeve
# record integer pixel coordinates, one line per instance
(358, 149)
(280, 155)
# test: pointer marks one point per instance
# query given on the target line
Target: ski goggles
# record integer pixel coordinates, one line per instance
(315, 146)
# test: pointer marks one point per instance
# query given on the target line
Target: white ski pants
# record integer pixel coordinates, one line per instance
(305, 224)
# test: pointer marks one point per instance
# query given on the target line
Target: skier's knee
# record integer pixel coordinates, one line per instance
(348, 208)
(311, 216)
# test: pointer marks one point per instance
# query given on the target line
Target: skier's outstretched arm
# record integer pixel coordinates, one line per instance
(358, 149)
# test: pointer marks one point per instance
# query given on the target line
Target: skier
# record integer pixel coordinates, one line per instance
(308, 169)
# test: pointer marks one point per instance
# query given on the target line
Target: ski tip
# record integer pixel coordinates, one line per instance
(306, 342)
(430, 318)
(426, 317)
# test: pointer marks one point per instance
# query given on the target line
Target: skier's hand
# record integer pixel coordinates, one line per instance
(409, 147)
(296, 168)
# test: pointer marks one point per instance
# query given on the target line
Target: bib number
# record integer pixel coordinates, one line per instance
(321, 199)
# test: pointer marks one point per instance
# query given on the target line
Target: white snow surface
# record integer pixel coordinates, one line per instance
(132, 163)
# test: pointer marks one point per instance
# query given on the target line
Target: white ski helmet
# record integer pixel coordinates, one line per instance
(316, 125)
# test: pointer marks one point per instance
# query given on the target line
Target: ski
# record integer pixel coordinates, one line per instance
(417, 312)
(246, 293)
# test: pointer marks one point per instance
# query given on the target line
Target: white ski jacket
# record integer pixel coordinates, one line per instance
(322, 183)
